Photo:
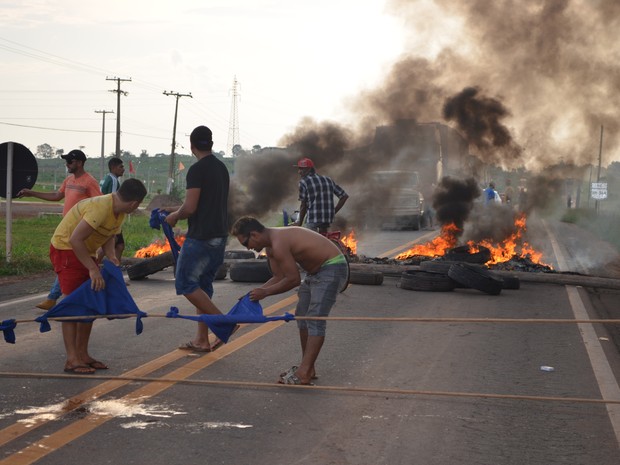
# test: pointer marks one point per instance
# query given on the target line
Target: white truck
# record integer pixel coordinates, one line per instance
(404, 207)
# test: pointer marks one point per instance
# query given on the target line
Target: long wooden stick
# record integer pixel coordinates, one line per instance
(363, 318)
(250, 384)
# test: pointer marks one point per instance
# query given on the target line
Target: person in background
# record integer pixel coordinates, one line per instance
(88, 226)
(206, 209)
(325, 268)
(79, 185)
(111, 183)
(316, 194)
(490, 195)
(509, 192)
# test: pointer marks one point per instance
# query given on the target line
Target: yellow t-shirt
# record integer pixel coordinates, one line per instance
(98, 213)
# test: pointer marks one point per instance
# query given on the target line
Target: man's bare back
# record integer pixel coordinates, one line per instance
(308, 248)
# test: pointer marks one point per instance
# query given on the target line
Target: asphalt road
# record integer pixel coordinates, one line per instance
(389, 392)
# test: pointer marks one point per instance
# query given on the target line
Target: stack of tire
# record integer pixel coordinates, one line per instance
(152, 265)
(460, 269)
(246, 268)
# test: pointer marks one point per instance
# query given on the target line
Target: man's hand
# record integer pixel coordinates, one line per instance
(97, 282)
(23, 193)
(172, 219)
(258, 294)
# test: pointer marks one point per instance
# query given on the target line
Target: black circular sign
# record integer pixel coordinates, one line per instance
(25, 168)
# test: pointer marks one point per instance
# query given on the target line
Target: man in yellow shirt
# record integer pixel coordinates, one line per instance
(89, 225)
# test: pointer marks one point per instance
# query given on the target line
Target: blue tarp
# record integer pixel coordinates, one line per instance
(244, 311)
(113, 300)
(158, 220)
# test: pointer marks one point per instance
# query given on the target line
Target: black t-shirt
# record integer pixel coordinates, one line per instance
(210, 175)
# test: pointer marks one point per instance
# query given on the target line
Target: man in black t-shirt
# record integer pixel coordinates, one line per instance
(202, 253)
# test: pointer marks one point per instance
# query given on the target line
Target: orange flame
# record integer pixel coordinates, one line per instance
(158, 247)
(510, 248)
(447, 239)
(349, 241)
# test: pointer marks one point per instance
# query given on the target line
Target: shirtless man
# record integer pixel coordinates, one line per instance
(325, 268)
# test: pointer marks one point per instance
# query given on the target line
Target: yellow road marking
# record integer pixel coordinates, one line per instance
(56, 440)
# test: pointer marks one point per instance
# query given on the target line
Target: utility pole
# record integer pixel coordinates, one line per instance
(233, 128)
(103, 140)
(174, 137)
(118, 92)
(598, 174)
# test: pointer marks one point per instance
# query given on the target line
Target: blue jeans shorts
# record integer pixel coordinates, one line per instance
(317, 295)
(198, 263)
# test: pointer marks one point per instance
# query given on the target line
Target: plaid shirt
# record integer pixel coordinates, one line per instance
(318, 193)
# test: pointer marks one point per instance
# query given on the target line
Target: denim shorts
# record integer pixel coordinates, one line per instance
(317, 295)
(198, 263)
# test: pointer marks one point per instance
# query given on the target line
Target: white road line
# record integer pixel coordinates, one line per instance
(605, 378)
(8, 303)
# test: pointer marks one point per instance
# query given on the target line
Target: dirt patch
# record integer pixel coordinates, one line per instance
(163, 200)
(14, 287)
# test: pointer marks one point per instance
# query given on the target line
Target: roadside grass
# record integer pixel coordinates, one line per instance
(31, 242)
(605, 225)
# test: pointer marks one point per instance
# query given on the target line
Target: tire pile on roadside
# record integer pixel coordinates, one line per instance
(458, 269)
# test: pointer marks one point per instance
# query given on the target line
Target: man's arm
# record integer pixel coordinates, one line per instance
(341, 202)
(78, 245)
(50, 196)
(285, 277)
(190, 205)
(303, 209)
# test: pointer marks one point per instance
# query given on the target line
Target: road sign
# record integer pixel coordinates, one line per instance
(599, 190)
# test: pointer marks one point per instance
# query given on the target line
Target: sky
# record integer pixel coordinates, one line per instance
(291, 60)
(528, 83)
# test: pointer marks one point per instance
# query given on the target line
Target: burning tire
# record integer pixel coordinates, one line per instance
(426, 281)
(150, 266)
(463, 254)
(256, 271)
(372, 278)
(476, 277)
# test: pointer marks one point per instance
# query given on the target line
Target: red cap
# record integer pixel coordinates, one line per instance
(304, 163)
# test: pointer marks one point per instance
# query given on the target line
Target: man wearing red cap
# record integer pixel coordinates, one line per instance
(316, 194)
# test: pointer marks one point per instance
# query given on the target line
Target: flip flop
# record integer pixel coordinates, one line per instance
(190, 346)
(220, 343)
(80, 370)
(293, 369)
(291, 378)
(97, 365)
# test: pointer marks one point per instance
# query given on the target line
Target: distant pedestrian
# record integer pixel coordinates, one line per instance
(79, 185)
(316, 194)
(111, 183)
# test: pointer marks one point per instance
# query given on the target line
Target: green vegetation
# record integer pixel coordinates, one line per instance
(605, 225)
(31, 242)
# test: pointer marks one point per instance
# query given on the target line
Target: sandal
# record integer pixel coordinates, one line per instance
(80, 370)
(97, 365)
(190, 346)
(292, 378)
(292, 370)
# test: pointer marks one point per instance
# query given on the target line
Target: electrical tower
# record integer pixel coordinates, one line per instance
(103, 139)
(118, 93)
(233, 129)
(174, 136)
